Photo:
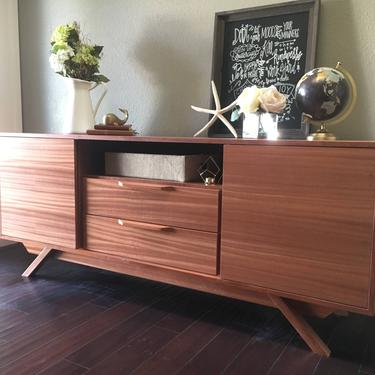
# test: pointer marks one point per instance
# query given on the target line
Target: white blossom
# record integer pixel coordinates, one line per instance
(249, 100)
(271, 100)
(58, 59)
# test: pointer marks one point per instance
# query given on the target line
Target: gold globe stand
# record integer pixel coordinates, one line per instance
(322, 134)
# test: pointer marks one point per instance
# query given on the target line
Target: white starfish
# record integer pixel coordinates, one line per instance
(217, 113)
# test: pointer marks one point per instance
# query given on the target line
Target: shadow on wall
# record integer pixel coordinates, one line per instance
(173, 77)
(339, 41)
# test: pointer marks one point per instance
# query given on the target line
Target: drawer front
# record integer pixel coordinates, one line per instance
(295, 223)
(178, 206)
(180, 248)
(37, 183)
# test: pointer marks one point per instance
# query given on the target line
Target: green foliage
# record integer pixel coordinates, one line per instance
(235, 115)
(71, 57)
(100, 78)
(97, 51)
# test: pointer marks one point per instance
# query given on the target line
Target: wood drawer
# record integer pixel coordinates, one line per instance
(160, 203)
(181, 248)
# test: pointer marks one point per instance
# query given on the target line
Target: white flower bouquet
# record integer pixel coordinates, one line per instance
(253, 99)
(74, 58)
(259, 108)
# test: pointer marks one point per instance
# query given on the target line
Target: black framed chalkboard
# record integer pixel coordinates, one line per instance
(263, 46)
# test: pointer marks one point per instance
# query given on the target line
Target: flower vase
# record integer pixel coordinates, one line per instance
(262, 125)
(250, 125)
(80, 114)
(269, 125)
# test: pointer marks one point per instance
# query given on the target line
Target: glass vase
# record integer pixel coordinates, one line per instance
(260, 125)
(268, 125)
(250, 125)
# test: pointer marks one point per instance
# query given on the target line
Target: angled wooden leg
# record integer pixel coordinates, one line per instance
(311, 338)
(37, 262)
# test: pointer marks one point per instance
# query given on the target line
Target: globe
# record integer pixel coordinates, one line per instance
(325, 96)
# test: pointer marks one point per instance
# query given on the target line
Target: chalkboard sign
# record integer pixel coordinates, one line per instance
(272, 45)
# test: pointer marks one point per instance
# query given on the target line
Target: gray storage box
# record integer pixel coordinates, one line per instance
(181, 168)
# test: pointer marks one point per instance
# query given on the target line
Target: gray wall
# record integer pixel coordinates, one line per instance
(10, 88)
(157, 54)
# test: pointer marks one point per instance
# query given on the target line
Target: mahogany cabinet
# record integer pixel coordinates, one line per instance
(37, 187)
(304, 216)
(291, 224)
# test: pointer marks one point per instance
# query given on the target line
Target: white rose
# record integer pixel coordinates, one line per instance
(271, 100)
(249, 100)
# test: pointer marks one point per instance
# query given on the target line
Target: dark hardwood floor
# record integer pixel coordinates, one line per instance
(70, 319)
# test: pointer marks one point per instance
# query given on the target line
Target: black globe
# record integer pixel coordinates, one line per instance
(322, 93)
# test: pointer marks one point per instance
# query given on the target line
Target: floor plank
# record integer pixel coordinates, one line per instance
(217, 354)
(296, 359)
(120, 334)
(173, 357)
(64, 367)
(267, 344)
(75, 320)
(34, 338)
(134, 353)
(43, 315)
(73, 339)
(10, 317)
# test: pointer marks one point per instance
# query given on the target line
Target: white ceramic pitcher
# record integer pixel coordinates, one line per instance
(80, 115)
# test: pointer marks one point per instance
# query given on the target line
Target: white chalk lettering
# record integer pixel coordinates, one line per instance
(266, 55)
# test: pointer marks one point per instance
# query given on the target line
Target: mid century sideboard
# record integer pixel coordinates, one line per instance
(291, 225)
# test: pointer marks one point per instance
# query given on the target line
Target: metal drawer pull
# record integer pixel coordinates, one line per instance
(120, 184)
(155, 227)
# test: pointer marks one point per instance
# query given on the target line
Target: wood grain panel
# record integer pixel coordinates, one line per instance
(41, 159)
(301, 171)
(346, 284)
(175, 247)
(155, 202)
(161, 273)
(41, 194)
(285, 228)
(38, 190)
(328, 230)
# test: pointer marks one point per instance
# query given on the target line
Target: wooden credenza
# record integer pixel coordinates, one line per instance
(290, 226)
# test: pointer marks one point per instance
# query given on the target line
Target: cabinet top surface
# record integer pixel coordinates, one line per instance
(201, 140)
